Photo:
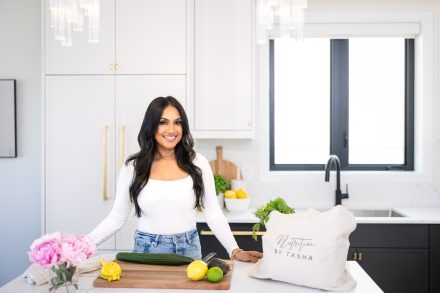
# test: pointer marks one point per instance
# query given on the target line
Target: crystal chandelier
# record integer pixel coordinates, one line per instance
(67, 16)
(288, 14)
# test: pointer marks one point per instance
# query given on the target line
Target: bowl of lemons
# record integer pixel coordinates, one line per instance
(237, 200)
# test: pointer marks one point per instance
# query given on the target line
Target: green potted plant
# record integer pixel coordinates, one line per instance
(221, 185)
(262, 213)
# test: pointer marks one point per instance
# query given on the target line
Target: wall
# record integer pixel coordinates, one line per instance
(21, 177)
(366, 189)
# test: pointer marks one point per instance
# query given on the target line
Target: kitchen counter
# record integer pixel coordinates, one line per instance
(241, 282)
(413, 215)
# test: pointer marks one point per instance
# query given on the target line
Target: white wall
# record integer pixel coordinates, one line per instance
(367, 189)
(21, 177)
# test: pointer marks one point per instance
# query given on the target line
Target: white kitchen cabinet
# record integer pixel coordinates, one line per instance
(136, 37)
(80, 163)
(209, 41)
(77, 172)
(82, 57)
(151, 36)
(224, 50)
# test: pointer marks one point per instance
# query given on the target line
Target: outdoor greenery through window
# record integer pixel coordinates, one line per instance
(349, 97)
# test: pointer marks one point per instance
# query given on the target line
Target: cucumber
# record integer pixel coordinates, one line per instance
(167, 259)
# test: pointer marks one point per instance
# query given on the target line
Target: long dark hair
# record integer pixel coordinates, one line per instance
(184, 152)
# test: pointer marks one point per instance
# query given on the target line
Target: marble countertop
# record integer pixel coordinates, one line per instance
(412, 215)
(241, 282)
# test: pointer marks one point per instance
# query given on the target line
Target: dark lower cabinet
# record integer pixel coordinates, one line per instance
(395, 256)
(395, 269)
(242, 234)
(434, 257)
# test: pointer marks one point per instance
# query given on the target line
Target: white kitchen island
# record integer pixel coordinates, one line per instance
(241, 283)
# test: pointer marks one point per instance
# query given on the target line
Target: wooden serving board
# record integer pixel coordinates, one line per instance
(224, 168)
(161, 277)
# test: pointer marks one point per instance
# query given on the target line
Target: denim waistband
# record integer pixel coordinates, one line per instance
(169, 238)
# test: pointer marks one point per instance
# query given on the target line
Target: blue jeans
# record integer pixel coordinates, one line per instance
(187, 243)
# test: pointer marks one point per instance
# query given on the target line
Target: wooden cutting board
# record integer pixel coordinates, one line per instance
(161, 277)
(225, 168)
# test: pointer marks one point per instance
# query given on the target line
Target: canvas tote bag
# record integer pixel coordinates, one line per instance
(308, 249)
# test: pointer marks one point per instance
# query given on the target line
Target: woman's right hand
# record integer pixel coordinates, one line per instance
(248, 256)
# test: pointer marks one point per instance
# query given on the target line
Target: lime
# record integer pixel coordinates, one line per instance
(214, 274)
(196, 270)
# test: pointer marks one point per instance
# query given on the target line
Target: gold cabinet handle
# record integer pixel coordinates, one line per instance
(122, 145)
(360, 256)
(355, 256)
(112, 67)
(104, 160)
(235, 233)
(116, 66)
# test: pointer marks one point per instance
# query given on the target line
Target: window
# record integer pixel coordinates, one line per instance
(349, 97)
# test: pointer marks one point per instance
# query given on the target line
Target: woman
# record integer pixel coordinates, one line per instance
(167, 182)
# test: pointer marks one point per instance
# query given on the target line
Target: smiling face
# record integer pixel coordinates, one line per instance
(169, 131)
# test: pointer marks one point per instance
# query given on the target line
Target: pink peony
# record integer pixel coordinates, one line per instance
(46, 251)
(55, 249)
(76, 249)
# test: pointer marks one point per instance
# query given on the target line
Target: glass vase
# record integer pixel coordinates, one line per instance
(63, 279)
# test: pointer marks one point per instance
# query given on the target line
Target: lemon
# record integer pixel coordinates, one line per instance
(214, 274)
(241, 193)
(230, 194)
(111, 271)
(196, 270)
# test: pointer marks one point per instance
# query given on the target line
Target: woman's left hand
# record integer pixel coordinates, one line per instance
(248, 256)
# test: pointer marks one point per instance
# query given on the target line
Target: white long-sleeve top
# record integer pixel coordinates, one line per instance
(167, 207)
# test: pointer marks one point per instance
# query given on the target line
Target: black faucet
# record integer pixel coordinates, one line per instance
(339, 194)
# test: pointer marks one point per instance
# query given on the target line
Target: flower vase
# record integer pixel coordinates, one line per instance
(63, 279)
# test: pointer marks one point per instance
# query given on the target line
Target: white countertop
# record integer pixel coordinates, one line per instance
(427, 215)
(241, 282)
(413, 215)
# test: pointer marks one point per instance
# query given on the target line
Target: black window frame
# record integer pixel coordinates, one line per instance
(339, 96)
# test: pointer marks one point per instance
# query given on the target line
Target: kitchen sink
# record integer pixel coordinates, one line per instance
(376, 213)
(373, 213)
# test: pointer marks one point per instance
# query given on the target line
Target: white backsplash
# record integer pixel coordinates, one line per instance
(321, 195)
(318, 193)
